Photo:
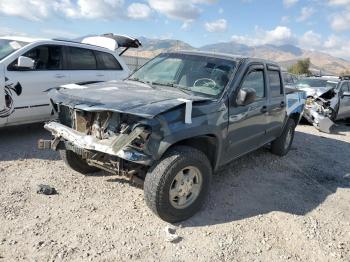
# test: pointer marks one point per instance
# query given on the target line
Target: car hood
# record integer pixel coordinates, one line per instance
(121, 96)
(314, 91)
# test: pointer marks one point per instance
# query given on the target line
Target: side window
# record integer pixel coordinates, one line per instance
(46, 57)
(255, 79)
(276, 87)
(107, 61)
(81, 59)
(345, 87)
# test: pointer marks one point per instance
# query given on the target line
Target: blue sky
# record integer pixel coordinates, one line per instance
(312, 24)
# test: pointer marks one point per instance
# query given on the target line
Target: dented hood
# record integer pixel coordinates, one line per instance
(121, 96)
(314, 91)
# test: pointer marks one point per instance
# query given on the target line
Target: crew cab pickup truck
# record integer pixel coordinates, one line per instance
(174, 122)
(29, 67)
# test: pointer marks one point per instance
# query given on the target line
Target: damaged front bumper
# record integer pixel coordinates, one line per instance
(318, 120)
(116, 146)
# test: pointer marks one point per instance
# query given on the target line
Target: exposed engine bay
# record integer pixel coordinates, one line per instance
(111, 141)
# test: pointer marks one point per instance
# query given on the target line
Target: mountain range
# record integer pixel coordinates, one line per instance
(286, 55)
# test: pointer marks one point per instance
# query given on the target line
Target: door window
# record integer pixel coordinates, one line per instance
(46, 57)
(107, 61)
(255, 80)
(81, 59)
(275, 82)
(345, 87)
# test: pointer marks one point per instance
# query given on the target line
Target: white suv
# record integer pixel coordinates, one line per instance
(29, 67)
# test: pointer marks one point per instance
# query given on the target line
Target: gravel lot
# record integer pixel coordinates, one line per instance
(261, 207)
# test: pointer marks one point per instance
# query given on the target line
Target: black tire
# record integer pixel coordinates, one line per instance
(76, 163)
(282, 145)
(160, 177)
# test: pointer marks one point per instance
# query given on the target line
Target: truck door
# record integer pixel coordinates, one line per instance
(344, 102)
(247, 123)
(276, 109)
(32, 103)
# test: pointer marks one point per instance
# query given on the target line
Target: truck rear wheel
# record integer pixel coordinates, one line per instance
(176, 186)
(282, 145)
(76, 163)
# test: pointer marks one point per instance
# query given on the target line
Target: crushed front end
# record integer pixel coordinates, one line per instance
(114, 142)
(321, 110)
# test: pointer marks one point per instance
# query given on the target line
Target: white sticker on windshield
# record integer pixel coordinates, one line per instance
(15, 45)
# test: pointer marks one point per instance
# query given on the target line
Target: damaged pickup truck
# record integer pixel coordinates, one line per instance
(328, 100)
(173, 122)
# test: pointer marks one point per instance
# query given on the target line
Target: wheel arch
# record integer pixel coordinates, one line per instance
(208, 144)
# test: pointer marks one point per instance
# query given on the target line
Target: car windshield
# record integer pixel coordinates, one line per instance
(316, 83)
(7, 47)
(188, 73)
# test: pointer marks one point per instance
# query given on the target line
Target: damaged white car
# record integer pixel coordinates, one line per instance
(328, 100)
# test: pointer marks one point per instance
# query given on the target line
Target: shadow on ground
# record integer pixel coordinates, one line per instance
(255, 184)
(260, 183)
(20, 142)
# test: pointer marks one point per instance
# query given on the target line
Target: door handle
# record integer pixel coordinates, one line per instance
(100, 75)
(282, 104)
(263, 109)
(60, 76)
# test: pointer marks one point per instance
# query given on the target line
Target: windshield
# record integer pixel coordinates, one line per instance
(189, 73)
(7, 47)
(316, 83)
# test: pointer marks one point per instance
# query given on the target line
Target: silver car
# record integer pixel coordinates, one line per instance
(328, 100)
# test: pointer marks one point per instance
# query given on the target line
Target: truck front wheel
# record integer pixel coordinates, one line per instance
(76, 163)
(176, 187)
(282, 145)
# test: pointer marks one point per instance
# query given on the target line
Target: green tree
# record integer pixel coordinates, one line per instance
(301, 67)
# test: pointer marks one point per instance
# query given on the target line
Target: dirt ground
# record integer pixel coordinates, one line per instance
(261, 207)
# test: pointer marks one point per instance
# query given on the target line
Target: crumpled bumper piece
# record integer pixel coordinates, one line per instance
(116, 146)
(321, 122)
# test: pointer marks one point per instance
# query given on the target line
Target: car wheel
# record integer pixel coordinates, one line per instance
(76, 163)
(176, 187)
(282, 145)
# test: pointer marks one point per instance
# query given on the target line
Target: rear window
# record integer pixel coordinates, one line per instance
(81, 59)
(107, 61)
(276, 87)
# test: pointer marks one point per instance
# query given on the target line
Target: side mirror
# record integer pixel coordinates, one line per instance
(346, 93)
(246, 96)
(25, 62)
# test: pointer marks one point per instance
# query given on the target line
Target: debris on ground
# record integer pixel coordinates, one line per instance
(46, 190)
(170, 235)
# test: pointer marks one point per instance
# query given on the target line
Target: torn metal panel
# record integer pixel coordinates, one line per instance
(115, 145)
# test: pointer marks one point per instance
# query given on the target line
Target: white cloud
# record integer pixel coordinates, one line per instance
(32, 10)
(305, 13)
(339, 2)
(90, 9)
(216, 26)
(341, 21)
(285, 19)
(185, 10)
(337, 46)
(289, 3)
(310, 40)
(40, 9)
(139, 11)
(278, 36)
